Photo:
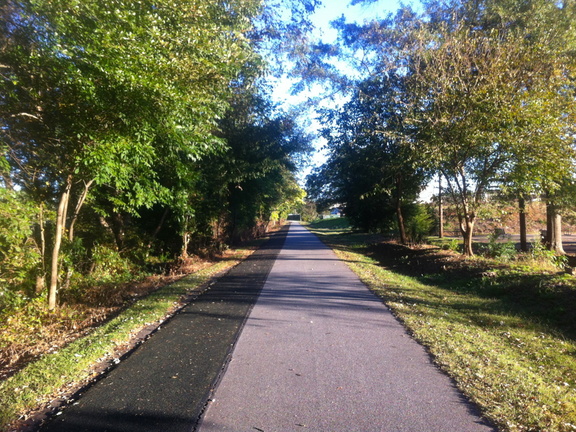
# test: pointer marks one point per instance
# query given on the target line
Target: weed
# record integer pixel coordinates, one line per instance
(539, 253)
(419, 224)
(503, 250)
(452, 244)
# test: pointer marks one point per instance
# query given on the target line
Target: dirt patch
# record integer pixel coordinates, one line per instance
(425, 259)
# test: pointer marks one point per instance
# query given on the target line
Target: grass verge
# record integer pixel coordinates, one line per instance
(50, 377)
(494, 328)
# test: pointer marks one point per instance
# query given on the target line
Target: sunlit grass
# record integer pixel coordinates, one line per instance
(520, 370)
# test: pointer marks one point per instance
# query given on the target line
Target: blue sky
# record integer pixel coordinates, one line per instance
(329, 11)
(333, 9)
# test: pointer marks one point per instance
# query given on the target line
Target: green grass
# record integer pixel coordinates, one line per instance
(494, 331)
(41, 381)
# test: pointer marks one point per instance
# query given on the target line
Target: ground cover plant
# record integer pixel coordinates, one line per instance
(503, 330)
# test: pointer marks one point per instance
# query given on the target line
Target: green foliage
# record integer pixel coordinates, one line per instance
(20, 255)
(331, 224)
(453, 245)
(99, 285)
(486, 98)
(121, 101)
(133, 107)
(540, 253)
(108, 265)
(252, 181)
(371, 169)
(307, 210)
(11, 300)
(419, 223)
(503, 250)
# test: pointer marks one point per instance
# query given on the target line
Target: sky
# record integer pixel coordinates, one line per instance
(330, 11)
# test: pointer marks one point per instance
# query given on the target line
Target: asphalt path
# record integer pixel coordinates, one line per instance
(320, 352)
(164, 384)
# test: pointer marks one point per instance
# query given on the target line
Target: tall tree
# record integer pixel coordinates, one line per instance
(484, 92)
(93, 93)
(488, 88)
(373, 171)
(254, 177)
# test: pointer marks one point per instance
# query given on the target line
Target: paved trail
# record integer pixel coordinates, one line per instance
(164, 384)
(320, 352)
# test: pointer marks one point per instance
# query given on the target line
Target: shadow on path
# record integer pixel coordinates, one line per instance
(163, 385)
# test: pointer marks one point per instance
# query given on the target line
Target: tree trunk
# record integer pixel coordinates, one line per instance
(467, 229)
(440, 209)
(556, 232)
(60, 225)
(41, 278)
(158, 227)
(401, 227)
(547, 239)
(523, 230)
(79, 205)
(104, 223)
(185, 243)
(40, 283)
(118, 230)
(467, 233)
(399, 215)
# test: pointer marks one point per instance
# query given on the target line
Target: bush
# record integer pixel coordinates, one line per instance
(419, 223)
(539, 252)
(100, 285)
(501, 250)
(20, 258)
(453, 245)
(109, 266)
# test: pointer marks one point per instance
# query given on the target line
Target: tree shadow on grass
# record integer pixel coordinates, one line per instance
(547, 298)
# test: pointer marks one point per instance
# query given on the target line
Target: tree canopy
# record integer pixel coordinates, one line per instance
(487, 96)
(125, 106)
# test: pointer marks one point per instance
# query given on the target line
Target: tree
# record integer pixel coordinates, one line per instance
(371, 168)
(92, 94)
(488, 89)
(484, 93)
(254, 177)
